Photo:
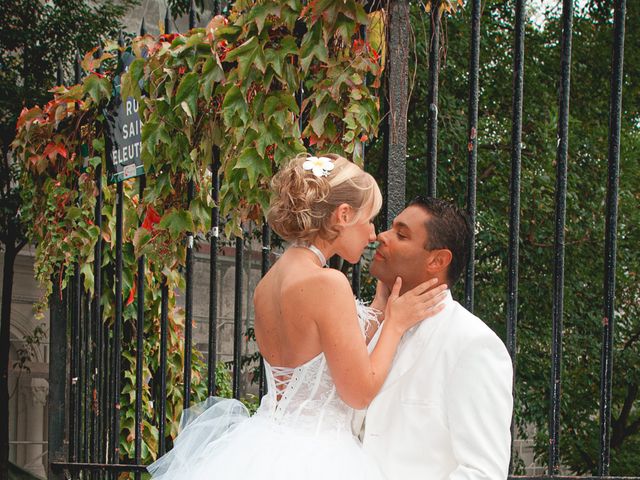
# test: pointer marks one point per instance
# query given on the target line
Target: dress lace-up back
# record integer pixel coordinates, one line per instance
(306, 396)
(302, 429)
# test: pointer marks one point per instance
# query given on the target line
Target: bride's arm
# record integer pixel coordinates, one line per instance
(380, 299)
(378, 306)
(359, 376)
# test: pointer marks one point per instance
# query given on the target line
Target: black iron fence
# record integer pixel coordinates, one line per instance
(84, 412)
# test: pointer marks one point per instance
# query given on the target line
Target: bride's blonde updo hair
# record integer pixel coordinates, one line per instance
(302, 203)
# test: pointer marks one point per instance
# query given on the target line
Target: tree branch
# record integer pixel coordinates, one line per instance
(619, 432)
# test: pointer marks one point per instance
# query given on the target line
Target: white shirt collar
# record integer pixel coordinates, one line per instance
(428, 323)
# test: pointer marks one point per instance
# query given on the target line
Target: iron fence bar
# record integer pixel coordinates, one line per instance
(192, 14)
(514, 193)
(83, 369)
(81, 374)
(213, 272)
(213, 261)
(266, 264)
(516, 152)
(90, 381)
(164, 321)
(356, 269)
(86, 358)
(58, 307)
(108, 391)
(117, 330)
(139, 342)
(75, 383)
(188, 321)
(104, 388)
(560, 215)
(237, 319)
(90, 324)
(167, 20)
(432, 122)
(395, 133)
(383, 169)
(57, 377)
(74, 394)
(615, 110)
(97, 313)
(472, 147)
(117, 322)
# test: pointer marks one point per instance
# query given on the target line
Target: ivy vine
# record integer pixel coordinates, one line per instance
(233, 87)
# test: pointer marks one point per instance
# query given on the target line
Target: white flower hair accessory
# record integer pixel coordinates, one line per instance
(320, 166)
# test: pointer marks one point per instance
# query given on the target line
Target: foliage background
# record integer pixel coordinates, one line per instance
(584, 254)
(585, 213)
(229, 88)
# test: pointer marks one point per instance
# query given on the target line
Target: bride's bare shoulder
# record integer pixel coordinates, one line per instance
(318, 289)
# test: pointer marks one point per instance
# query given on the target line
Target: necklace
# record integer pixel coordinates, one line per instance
(315, 250)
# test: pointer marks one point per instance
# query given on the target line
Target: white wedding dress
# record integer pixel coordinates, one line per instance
(302, 430)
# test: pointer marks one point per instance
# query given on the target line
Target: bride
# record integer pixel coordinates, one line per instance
(323, 355)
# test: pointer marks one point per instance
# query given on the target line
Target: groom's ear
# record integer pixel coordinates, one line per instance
(439, 261)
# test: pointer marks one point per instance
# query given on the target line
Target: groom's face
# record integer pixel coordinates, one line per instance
(401, 251)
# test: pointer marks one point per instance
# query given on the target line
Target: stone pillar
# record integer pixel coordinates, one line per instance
(35, 427)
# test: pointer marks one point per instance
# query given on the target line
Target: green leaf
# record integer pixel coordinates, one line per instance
(229, 33)
(188, 92)
(276, 57)
(201, 214)
(276, 101)
(131, 79)
(87, 270)
(254, 164)
(313, 46)
(98, 88)
(73, 213)
(177, 222)
(247, 54)
(317, 122)
(259, 13)
(233, 102)
(212, 73)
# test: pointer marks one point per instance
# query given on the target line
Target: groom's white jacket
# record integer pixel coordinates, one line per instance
(445, 409)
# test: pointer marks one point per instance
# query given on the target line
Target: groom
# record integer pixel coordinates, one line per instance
(444, 411)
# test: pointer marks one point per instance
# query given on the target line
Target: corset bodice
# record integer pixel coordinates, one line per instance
(305, 397)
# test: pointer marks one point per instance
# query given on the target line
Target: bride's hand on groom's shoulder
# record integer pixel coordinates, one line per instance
(404, 311)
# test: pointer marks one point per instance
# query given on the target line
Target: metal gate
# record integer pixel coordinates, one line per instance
(84, 395)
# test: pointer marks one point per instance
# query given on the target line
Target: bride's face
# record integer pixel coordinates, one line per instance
(354, 237)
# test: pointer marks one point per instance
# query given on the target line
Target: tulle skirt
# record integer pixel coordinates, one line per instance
(219, 440)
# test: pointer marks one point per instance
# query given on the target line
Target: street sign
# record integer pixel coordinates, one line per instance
(123, 132)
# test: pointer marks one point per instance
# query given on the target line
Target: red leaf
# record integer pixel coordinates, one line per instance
(169, 37)
(28, 114)
(54, 149)
(132, 294)
(151, 218)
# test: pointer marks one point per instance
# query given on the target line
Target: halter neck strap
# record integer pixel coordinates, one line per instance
(315, 250)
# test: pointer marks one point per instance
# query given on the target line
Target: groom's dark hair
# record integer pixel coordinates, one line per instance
(447, 227)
